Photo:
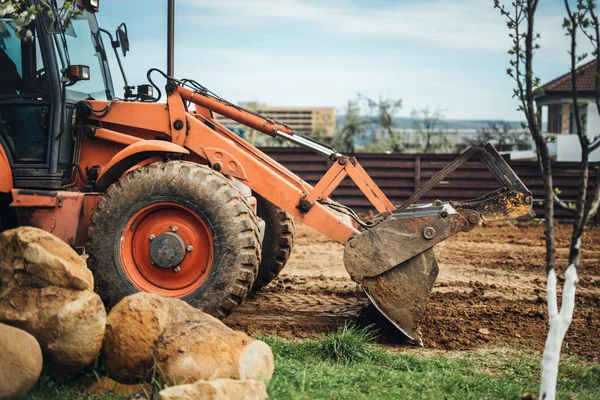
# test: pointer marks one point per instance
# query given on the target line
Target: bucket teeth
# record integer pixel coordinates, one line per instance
(401, 293)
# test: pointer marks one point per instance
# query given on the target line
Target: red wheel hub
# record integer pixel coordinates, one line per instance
(166, 248)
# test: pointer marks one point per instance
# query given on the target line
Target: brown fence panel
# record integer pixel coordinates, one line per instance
(399, 175)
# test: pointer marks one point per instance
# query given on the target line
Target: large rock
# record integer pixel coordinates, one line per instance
(219, 389)
(20, 362)
(152, 336)
(46, 289)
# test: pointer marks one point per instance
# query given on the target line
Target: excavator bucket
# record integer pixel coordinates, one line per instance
(394, 261)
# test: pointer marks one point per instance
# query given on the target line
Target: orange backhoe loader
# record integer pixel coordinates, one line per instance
(165, 199)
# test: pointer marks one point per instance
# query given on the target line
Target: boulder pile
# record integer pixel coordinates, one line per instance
(48, 307)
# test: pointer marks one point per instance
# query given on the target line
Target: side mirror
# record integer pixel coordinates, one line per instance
(123, 38)
(76, 73)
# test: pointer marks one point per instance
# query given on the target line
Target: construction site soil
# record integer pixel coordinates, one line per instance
(490, 291)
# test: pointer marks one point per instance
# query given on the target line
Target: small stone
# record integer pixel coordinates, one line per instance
(219, 389)
(20, 362)
(484, 331)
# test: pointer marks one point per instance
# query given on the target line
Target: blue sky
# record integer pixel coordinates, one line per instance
(449, 54)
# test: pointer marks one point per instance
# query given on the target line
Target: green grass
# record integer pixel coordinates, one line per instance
(347, 365)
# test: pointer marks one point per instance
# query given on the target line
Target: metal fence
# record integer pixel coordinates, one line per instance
(399, 175)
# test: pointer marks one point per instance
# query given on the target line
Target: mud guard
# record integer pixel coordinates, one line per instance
(132, 155)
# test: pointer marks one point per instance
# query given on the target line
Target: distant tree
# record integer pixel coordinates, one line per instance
(385, 110)
(520, 17)
(352, 129)
(385, 137)
(427, 126)
(503, 136)
(320, 133)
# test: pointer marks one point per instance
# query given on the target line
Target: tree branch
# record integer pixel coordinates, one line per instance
(563, 205)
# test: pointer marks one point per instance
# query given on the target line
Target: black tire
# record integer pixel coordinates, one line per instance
(277, 242)
(228, 217)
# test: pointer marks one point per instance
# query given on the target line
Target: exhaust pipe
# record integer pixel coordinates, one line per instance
(171, 38)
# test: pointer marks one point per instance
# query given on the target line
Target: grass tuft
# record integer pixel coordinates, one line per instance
(348, 345)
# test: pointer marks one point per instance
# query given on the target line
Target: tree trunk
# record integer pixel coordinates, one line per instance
(559, 324)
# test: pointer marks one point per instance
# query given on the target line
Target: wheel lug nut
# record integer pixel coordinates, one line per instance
(174, 229)
(190, 248)
(176, 269)
(152, 237)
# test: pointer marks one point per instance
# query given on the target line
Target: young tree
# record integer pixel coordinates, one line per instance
(319, 133)
(386, 110)
(384, 135)
(503, 136)
(426, 122)
(427, 125)
(353, 127)
(520, 16)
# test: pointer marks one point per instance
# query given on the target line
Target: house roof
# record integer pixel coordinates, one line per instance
(585, 80)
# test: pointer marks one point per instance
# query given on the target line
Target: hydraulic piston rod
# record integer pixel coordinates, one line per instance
(309, 144)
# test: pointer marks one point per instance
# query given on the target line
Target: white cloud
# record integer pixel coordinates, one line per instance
(467, 31)
(464, 24)
(460, 24)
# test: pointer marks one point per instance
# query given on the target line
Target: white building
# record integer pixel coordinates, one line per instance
(557, 119)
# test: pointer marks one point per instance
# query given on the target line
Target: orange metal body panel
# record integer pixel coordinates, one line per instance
(6, 176)
(177, 118)
(202, 112)
(64, 214)
(227, 164)
(142, 147)
(117, 137)
(368, 187)
(147, 116)
(327, 184)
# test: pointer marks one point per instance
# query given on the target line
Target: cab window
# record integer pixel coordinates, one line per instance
(24, 104)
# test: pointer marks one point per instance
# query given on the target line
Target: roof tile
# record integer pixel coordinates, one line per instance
(585, 80)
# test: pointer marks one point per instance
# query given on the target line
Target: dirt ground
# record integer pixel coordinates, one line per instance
(490, 291)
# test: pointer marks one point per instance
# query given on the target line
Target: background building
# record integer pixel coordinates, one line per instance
(311, 121)
(555, 102)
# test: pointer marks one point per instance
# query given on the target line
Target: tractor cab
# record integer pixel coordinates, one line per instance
(43, 74)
